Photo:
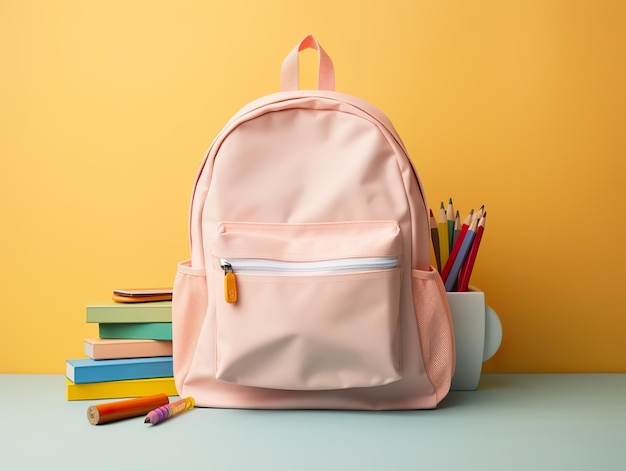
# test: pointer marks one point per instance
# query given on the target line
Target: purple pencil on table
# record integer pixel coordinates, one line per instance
(164, 412)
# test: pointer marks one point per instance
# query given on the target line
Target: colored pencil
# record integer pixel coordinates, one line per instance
(457, 227)
(479, 213)
(468, 266)
(112, 411)
(457, 246)
(466, 245)
(168, 410)
(450, 219)
(434, 235)
(444, 249)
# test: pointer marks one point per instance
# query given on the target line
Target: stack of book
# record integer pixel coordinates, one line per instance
(132, 356)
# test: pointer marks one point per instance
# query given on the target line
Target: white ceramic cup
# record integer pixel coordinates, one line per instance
(478, 334)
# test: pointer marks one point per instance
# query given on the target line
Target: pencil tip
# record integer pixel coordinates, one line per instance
(431, 212)
(450, 201)
(147, 420)
(442, 205)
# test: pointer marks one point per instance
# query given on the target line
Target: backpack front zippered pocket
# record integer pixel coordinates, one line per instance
(257, 266)
(307, 306)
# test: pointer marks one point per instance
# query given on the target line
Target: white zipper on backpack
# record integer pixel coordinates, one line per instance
(325, 267)
(257, 266)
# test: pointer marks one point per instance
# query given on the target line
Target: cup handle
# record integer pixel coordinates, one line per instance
(493, 333)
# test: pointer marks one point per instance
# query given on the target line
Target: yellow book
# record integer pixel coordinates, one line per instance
(120, 389)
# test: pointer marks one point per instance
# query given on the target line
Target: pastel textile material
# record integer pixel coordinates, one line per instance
(310, 179)
(289, 76)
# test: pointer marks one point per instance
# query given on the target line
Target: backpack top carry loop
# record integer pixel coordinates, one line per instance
(289, 76)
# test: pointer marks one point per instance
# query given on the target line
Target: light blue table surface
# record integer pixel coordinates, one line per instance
(512, 422)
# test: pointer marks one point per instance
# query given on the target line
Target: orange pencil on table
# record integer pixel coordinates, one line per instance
(444, 249)
(434, 235)
(457, 246)
(111, 411)
(468, 266)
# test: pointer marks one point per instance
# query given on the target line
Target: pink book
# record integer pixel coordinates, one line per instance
(105, 349)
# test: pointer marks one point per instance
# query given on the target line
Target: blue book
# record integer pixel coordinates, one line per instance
(87, 370)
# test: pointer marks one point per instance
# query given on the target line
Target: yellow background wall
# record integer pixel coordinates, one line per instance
(106, 109)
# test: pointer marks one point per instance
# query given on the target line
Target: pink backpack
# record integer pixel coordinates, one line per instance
(309, 284)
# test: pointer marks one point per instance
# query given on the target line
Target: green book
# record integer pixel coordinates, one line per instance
(129, 312)
(138, 330)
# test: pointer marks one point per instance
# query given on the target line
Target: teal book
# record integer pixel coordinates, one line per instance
(87, 370)
(141, 330)
(112, 312)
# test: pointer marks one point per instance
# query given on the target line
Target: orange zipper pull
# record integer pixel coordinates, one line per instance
(230, 284)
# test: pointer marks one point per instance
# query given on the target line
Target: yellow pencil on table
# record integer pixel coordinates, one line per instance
(444, 249)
